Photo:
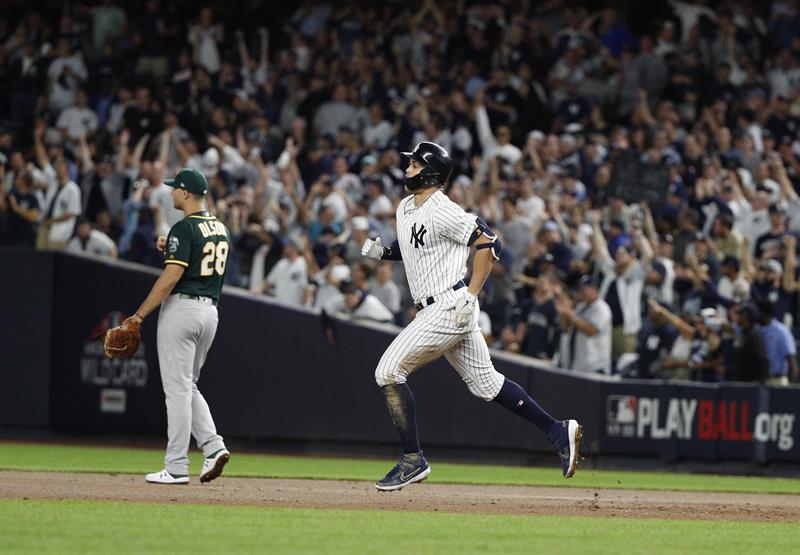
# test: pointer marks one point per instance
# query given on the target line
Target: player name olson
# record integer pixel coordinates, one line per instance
(212, 228)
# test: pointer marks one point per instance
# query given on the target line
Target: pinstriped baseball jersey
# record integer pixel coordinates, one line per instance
(433, 240)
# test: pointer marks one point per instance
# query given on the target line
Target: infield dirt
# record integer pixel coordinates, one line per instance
(448, 498)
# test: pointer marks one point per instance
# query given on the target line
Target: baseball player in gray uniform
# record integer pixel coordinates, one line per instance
(435, 237)
(196, 252)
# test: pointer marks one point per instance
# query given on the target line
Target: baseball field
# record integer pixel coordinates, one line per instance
(82, 499)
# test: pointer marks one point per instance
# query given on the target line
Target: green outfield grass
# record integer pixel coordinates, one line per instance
(106, 527)
(19, 456)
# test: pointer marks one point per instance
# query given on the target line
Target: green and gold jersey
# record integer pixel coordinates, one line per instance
(200, 243)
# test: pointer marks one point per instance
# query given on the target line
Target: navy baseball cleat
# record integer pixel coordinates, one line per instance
(565, 436)
(409, 469)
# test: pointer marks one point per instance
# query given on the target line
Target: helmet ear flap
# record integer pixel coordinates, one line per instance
(431, 180)
(430, 177)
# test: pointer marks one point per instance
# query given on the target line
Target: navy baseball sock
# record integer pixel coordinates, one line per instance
(515, 399)
(400, 402)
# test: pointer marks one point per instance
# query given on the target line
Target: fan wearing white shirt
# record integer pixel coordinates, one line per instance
(63, 208)
(385, 289)
(66, 71)
(329, 279)
(378, 132)
(361, 305)
(289, 278)
(586, 330)
(91, 241)
(732, 285)
(529, 204)
(621, 287)
(753, 218)
(161, 202)
(323, 193)
(344, 180)
(380, 206)
(78, 120)
(494, 146)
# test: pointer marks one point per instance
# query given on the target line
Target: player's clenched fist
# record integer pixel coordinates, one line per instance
(372, 248)
(465, 308)
(161, 243)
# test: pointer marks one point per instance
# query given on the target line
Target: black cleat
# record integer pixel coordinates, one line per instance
(566, 438)
(409, 469)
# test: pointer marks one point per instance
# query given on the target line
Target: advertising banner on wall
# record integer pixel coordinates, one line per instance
(90, 392)
(699, 421)
(776, 429)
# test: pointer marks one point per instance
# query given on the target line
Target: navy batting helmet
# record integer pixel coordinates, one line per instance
(438, 166)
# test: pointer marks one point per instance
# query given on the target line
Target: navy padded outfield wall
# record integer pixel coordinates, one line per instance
(272, 374)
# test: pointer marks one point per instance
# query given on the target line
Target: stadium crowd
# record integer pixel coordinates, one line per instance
(297, 122)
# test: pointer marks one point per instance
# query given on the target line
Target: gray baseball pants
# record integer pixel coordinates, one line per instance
(186, 329)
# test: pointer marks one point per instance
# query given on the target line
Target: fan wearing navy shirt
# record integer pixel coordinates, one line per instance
(769, 244)
(769, 286)
(23, 212)
(655, 342)
(536, 330)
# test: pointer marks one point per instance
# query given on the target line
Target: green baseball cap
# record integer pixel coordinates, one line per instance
(190, 180)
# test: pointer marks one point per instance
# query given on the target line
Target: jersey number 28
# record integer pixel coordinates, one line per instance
(216, 254)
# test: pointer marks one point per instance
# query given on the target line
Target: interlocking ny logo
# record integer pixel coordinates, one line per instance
(418, 236)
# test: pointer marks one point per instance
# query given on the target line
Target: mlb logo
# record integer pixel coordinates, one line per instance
(621, 415)
(113, 400)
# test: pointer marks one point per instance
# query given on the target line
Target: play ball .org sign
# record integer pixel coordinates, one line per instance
(634, 417)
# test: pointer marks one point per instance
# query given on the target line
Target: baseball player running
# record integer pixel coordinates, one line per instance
(195, 250)
(434, 240)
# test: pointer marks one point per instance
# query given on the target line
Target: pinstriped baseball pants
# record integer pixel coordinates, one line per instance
(433, 334)
(186, 329)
